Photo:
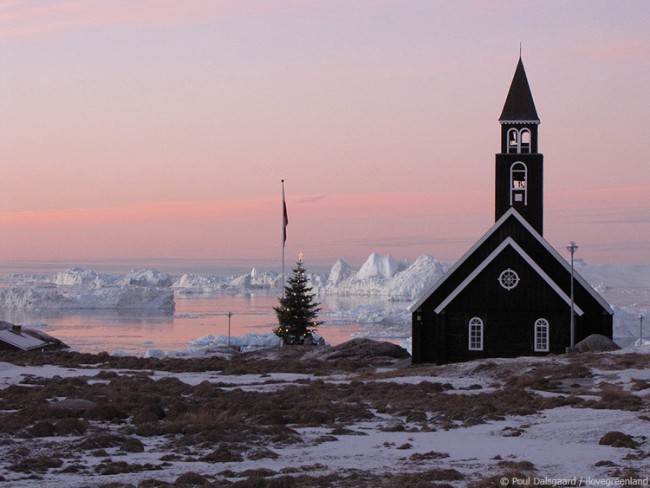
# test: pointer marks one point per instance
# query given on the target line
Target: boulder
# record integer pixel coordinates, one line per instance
(596, 343)
(618, 439)
(367, 348)
(73, 404)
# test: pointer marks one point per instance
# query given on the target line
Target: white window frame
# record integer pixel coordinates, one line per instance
(475, 334)
(519, 141)
(542, 339)
(518, 168)
(513, 141)
(525, 145)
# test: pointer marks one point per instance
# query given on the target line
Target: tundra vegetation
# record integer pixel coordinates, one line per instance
(274, 418)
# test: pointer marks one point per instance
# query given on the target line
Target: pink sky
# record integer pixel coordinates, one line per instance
(156, 129)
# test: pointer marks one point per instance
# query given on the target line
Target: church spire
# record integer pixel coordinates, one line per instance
(520, 166)
(519, 106)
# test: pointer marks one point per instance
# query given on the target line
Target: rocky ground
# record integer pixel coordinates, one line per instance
(353, 415)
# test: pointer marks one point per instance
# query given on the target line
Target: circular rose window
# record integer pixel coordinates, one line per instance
(508, 279)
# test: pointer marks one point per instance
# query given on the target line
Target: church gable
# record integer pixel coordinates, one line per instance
(501, 273)
(514, 230)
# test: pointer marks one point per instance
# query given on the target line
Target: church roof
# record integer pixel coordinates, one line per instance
(519, 106)
(462, 275)
(509, 241)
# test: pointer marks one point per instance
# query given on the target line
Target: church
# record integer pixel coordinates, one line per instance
(512, 294)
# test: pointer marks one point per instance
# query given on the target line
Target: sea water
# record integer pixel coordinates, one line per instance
(195, 317)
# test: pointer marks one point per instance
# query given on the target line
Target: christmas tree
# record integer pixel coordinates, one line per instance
(298, 312)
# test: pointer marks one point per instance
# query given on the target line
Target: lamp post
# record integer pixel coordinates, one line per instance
(572, 247)
(641, 317)
(229, 314)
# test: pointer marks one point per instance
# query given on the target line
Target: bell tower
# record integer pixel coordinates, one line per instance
(519, 169)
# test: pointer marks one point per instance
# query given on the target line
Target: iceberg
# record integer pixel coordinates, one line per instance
(411, 283)
(119, 298)
(189, 284)
(77, 288)
(82, 277)
(340, 272)
(379, 266)
(147, 277)
(383, 276)
(250, 341)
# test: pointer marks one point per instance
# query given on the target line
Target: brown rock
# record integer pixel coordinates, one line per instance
(596, 343)
(618, 439)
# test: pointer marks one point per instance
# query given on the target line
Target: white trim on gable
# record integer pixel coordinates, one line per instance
(418, 303)
(561, 260)
(511, 212)
(508, 242)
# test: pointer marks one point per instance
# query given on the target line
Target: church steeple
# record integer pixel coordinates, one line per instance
(519, 106)
(519, 165)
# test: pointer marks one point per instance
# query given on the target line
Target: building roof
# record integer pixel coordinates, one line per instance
(20, 340)
(494, 231)
(538, 269)
(519, 106)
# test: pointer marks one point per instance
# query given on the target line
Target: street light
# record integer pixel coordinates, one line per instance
(229, 314)
(572, 247)
(641, 317)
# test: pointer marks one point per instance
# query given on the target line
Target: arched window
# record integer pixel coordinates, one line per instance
(518, 183)
(513, 141)
(518, 141)
(524, 141)
(475, 334)
(541, 335)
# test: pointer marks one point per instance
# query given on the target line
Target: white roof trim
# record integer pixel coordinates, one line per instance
(415, 305)
(536, 121)
(508, 242)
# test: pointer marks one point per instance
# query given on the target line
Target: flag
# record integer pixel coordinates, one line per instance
(285, 219)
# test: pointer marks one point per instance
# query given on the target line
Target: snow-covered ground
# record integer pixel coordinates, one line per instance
(403, 424)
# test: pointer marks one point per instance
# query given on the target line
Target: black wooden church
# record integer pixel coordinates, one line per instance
(510, 294)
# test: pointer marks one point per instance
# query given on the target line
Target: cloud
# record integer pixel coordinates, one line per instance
(600, 199)
(624, 51)
(32, 18)
(229, 211)
(300, 207)
(623, 218)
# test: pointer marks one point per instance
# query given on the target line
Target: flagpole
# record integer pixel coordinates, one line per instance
(285, 221)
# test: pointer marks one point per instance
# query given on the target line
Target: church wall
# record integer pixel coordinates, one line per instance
(508, 315)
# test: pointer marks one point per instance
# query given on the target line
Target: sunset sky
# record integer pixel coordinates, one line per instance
(161, 129)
